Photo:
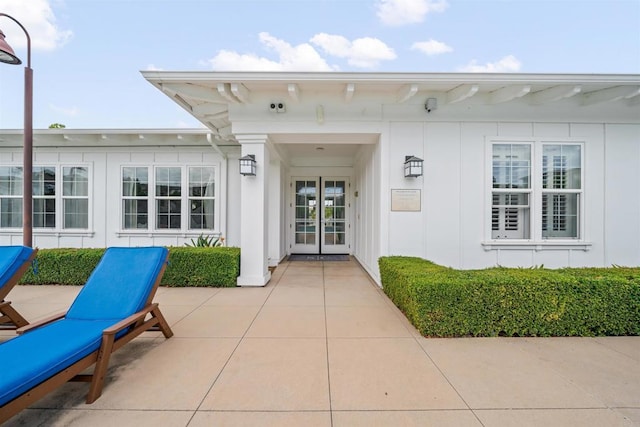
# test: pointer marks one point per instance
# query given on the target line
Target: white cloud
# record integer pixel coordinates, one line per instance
(508, 64)
(432, 47)
(67, 111)
(39, 21)
(366, 52)
(152, 67)
(403, 12)
(302, 57)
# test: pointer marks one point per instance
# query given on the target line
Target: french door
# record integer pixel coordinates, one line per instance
(320, 215)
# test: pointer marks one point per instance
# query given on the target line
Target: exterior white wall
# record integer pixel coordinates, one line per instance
(105, 199)
(454, 218)
(366, 225)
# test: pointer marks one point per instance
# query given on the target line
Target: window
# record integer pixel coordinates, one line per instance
(135, 198)
(511, 191)
(47, 197)
(201, 198)
(163, 192)
(75, 197)
(10, 197)
(44, 197)
(562, 185)
(168, 198)
(536, 180)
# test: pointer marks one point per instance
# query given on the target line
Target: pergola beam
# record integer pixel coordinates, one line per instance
(240, 91)
(554, 94)
(294, 91)
(508, 93)
(609, 95)
(186, 90)
(461, 93)
(349, 91)
(407, 92)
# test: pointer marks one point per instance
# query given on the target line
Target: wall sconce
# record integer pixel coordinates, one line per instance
(248, 165)
(412, 166)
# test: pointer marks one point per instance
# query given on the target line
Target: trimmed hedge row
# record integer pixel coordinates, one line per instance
(188, 266)
(443, 302)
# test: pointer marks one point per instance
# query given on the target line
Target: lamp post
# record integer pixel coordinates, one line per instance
(8, 56)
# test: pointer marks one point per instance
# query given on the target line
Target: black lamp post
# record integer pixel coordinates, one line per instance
(8, 56)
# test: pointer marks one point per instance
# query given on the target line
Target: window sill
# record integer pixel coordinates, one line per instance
(536, 245)
(54, 233)
(166, 233)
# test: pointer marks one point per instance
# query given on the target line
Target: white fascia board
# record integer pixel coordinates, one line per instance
(512, 78)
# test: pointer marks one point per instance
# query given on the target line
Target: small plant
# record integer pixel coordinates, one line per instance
(206, 242)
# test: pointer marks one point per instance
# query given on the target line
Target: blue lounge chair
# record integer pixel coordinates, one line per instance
(113, 307)
(14, 262)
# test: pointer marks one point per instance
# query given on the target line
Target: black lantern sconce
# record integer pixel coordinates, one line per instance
(412, 167)
(248, 165)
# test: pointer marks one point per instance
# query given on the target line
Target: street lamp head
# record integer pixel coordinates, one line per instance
(7, 55)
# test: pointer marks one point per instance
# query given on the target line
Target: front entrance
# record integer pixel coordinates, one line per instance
(320, 215)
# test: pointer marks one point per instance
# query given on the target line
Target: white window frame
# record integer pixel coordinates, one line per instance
(123, 198)
(184, 230)
(59, 202)
(535, 240)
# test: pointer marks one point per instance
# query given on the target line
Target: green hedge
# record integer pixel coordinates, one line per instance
(443, 302)
(193, 266)
(188, 266)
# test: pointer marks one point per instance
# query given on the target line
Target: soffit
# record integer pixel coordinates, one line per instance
(209, 95)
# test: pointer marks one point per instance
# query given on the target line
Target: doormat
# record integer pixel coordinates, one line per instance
(307, 257)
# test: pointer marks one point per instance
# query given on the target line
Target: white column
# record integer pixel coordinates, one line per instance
(275, 212)
(254, 214)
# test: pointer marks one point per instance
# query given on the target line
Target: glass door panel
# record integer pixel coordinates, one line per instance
(334, 222)
(305, 239)
(320, 215)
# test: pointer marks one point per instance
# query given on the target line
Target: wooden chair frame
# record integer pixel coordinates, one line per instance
(9, 316)
(135, 325)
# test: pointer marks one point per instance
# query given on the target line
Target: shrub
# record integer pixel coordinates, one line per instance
(202, 266)
(445, 302)
(188, 266)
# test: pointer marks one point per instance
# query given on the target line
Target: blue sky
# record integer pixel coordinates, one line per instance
(87, 54)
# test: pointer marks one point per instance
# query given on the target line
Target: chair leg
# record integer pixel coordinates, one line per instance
(162, 322)
(100, 371)
(11, 313)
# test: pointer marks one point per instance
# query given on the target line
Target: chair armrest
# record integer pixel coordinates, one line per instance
(40, 323)
(134, 318)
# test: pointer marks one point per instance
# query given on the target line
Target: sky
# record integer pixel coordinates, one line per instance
(87, 54)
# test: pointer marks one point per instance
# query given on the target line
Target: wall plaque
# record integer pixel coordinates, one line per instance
(405, 200)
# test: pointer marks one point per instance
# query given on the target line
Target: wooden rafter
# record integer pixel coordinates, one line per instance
(611, 94)
(349, 91)
(407, 92)
(554, 94)
(508, 93)
(461, 93)
(294, 91)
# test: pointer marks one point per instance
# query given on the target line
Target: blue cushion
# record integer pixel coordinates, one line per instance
(120, 284)
(35, 356)
(11, 259)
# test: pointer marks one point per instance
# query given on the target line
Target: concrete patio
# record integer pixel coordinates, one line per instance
(321, 345)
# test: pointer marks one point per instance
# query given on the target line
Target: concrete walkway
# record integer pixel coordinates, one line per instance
(321, 345)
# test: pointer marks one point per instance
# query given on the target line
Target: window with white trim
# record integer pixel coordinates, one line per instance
(178, 198)
(10, 197)
(201, 198)
(75, 197)
(510, 211)
(536, 190)
(135, 198)
(44, 197)
(53, 187)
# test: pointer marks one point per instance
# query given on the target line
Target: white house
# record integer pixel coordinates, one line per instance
(518, 170)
